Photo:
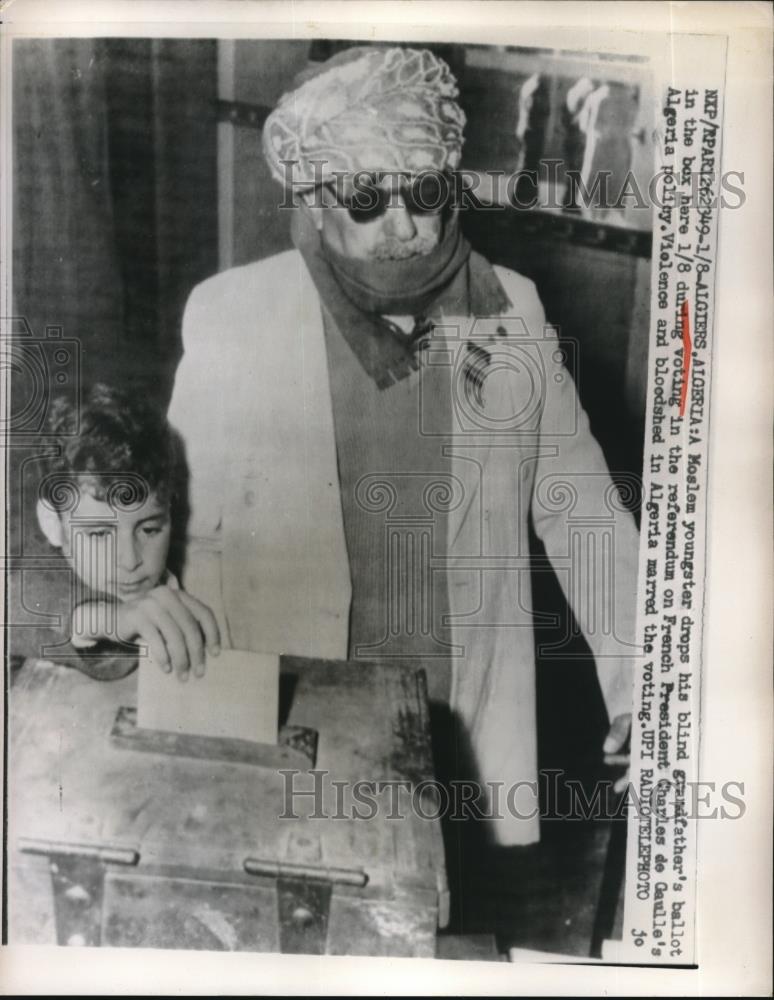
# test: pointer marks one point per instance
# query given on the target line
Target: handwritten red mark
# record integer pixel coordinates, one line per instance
(686, 331)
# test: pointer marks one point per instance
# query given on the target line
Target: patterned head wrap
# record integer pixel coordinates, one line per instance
(367, 109)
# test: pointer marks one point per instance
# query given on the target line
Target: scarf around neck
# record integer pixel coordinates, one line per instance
(357, 294)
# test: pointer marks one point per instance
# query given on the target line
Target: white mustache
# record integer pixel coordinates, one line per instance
(393, 249)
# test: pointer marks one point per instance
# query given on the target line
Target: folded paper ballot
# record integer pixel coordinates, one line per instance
(238, 698)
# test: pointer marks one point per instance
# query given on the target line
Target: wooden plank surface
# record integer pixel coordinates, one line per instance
(68, 784)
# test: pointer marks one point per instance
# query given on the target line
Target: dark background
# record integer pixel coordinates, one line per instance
(121, 205)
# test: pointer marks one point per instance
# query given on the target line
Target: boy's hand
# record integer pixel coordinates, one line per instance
(175, 626)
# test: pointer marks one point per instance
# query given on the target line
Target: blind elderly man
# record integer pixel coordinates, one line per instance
(373, 418)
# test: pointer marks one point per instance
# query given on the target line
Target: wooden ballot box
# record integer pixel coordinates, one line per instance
(114, 845)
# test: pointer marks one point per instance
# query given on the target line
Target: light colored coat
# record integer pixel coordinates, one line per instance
(266, 538)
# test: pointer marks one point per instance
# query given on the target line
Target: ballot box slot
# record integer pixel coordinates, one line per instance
(296, 745)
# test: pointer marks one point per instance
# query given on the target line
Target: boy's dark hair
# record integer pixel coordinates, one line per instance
(116, 446)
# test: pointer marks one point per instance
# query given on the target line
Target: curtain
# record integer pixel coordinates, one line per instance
(115, 196)
(65, 271)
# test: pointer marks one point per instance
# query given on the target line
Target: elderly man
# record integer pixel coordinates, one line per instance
(371, 419)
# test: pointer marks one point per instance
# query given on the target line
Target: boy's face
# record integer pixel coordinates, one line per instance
(118, 552)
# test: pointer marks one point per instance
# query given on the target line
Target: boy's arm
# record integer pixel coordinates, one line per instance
(49, 593)
(102, 660)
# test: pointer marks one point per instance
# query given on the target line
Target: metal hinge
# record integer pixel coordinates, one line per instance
(304, 900)
(78, 884)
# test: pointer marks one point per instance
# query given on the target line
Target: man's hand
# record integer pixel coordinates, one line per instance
(175, 626)
(616, 749)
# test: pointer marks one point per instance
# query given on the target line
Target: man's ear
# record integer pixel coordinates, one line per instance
(50, 524)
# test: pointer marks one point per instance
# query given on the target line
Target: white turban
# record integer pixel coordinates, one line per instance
(367, 109)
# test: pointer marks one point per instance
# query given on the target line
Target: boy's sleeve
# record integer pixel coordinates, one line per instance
(104, 661)
(48, 594)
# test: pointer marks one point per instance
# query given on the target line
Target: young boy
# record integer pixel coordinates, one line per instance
(106, 503)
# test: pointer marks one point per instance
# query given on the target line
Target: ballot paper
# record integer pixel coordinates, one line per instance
(237, 698)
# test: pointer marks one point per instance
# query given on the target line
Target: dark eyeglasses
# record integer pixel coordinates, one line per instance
(429, 193)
